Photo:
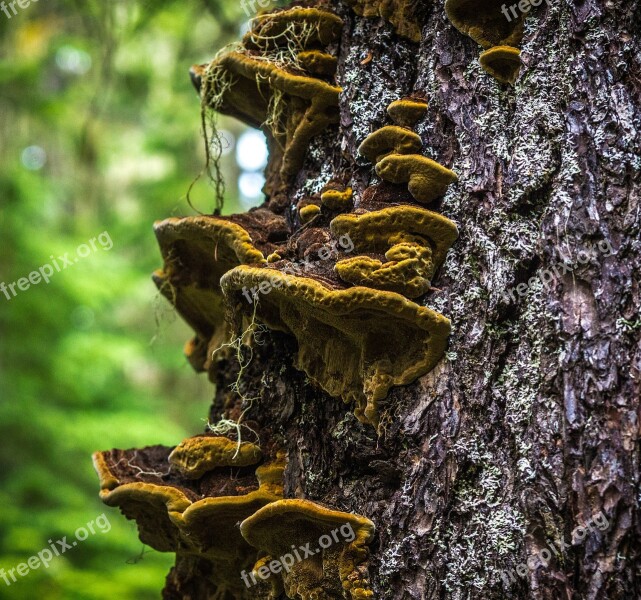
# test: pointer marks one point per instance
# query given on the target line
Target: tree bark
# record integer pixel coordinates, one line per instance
(529, 428)
(512, 469)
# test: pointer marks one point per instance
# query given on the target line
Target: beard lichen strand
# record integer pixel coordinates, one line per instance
(237, 343)
(215, 82)
(283, 56)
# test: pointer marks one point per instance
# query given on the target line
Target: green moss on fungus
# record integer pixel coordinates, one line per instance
(311, 26)
(293, 107)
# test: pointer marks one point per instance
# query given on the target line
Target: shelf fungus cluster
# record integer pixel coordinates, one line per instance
(496, 29)
(343, 270)
(190, 500)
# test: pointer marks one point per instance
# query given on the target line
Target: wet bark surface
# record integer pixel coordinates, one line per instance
(512, 469)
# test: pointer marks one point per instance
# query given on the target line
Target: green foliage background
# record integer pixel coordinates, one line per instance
(93, 360)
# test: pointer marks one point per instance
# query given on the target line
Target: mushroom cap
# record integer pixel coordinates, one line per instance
(345, 356)
(408, 271)
(196, 455)
(300, 523)
(502, 62)
(485, 22)
(426, 179)
(252, 70)
(242, 83)
(407, 111)
(379, 230)
(274, 528)
(336, 199)
(308, 212)
(387, 140)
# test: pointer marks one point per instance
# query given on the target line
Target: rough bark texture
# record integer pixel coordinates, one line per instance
(529, 427)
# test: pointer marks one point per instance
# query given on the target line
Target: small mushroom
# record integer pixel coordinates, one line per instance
(308, 212)
(491, 25)
(336, 540)
(407, 112)
(426, 179)
(337, 199)
(388, 140)
(502, 62)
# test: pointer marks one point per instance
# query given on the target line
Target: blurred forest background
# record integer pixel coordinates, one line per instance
(100, 131)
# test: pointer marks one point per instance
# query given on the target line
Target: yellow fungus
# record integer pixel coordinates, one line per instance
(426, 179)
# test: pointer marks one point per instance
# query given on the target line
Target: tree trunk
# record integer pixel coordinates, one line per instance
(511, 469)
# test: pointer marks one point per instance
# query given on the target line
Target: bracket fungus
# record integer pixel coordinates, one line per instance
(196, 252)
(197, 455)
(485, 22)
(344, 356)
(337, 198)
(407, 111)
(502, 62)
(318, 63)
(400, 13)
(426, 179)
(390, 139)
(336, 569)
(379, 230)
(408, 271)
(196, 519)
(490, 25)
